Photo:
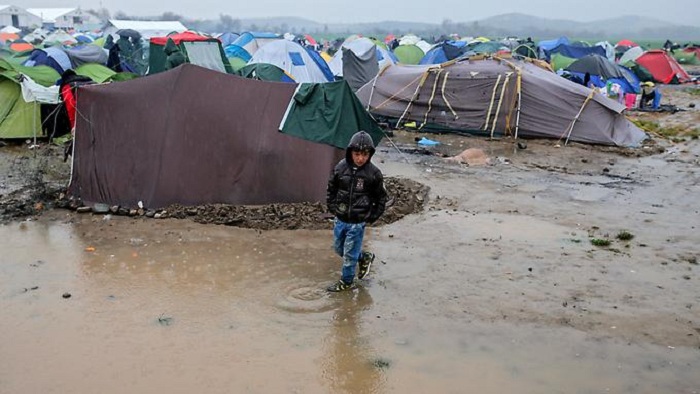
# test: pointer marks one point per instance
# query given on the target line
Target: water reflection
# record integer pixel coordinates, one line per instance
(350, 363)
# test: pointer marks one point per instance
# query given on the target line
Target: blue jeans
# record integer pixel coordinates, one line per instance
(347, 242)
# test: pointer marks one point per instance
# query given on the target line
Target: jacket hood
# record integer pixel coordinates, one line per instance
(170, 47)
(360, 141)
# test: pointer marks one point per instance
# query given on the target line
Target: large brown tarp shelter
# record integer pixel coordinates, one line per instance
(506, 97)
(193, 136)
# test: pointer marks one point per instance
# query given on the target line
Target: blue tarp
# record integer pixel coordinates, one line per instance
(574, 51)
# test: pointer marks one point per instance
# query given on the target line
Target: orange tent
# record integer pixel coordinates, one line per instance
(21, 46)
(4, 37)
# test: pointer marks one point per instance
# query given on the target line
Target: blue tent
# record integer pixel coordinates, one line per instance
(228, 38)
(445, 51)
(321, 63)
(53, 57)
(574, 52)
(234, 50)
(546, 45)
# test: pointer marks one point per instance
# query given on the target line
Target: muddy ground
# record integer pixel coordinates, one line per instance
(553, 268)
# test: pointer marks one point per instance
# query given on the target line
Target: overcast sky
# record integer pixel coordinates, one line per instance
(685, 12)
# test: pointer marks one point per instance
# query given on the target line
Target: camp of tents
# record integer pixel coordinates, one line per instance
(282, 104)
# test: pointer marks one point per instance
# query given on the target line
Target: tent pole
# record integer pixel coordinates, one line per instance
(500, 102)
(517, 114)
(442, 91)
(432, 96)
(371, 92)
(573, 122)
(415, 94)
(493, 97)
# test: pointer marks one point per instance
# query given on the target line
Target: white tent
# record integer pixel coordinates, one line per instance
(147, 29)
(292, 58)
(360, 47)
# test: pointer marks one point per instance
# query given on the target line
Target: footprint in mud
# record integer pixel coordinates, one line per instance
(305, 297)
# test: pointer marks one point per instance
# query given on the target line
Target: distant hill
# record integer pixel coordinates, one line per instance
(512, 24)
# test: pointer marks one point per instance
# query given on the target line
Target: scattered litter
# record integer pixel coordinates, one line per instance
(426, 142)
(90, 249)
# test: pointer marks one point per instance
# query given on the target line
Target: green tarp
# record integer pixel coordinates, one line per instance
(19, 119)
(328, 113)
(102, 74)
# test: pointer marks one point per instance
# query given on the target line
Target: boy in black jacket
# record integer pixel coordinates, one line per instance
(356, 196)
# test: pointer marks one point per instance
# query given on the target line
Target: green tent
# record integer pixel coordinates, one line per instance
(317, 109)
(236, 63)
(19, 119)
(408, 54)
(686, 58)
(203, 52)
(561, 62)
(264, 72)
(102, 74)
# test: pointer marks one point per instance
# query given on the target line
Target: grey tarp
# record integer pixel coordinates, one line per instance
(87, 54)
(358, 69)
(193, 136)
(464, 95)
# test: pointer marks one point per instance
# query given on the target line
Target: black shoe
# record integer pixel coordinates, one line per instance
(365, 262)
(340, 286)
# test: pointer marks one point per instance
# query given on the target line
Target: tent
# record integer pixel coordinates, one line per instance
(252, 41)
(630, 55)
(264, 72)
(228, 38)
(602, 71)
(328, 113)
(214, 139)
(493, 95)
(408, 54)
(53, 57)
(295, 60)
(199, 50)
(573, 51)
(87, 54)
(18, 118)
(147, 29)
(445, 51)
(360, 47)
(663, 67)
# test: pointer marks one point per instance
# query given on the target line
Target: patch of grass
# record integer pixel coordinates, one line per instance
(668, 132)
(600, 242)
(624, 235)
(693, 91)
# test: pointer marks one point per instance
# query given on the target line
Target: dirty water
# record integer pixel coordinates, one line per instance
(108, 304)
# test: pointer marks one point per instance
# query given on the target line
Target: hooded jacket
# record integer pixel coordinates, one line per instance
(175, 57)
(357, 194)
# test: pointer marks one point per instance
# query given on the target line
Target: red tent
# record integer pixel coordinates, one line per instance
(695, 50)
(310, 40)
(184, 36)
(626, 43)
(663, 67)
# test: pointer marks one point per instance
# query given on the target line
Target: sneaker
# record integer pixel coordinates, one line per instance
(365, 262)
(340, 286)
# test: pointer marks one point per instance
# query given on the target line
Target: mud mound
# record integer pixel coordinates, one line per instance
(406, 197)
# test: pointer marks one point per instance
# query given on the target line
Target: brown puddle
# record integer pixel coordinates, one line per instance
(180, 307)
